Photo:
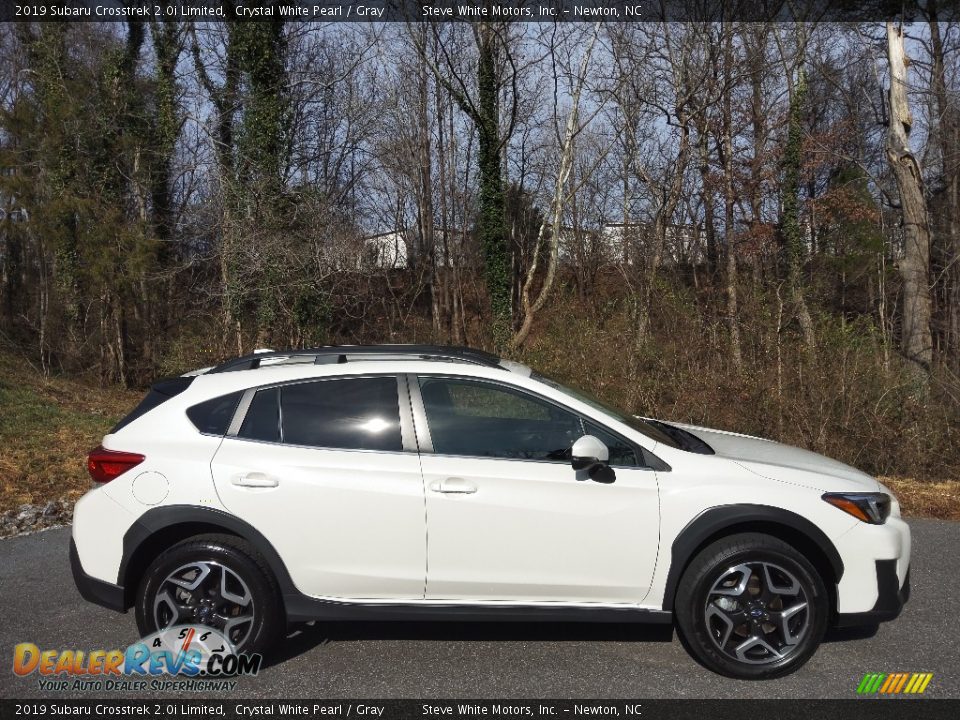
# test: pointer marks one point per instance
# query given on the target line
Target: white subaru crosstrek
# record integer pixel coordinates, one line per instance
(401, 482)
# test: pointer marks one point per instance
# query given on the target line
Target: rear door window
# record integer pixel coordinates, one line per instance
(262, 421)
(345, 413)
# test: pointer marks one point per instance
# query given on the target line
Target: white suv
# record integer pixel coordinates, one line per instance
(401, 482)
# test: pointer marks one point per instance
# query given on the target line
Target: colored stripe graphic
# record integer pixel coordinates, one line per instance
(891, 681)
(901, 682)
(870, 683)
(918, 683)
(894, 683)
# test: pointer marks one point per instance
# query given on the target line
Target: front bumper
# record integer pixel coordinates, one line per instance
(891, 597)
(876, 559)
(94, 590)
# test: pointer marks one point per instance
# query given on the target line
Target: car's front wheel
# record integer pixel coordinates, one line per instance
(750, 606)
(218, 581)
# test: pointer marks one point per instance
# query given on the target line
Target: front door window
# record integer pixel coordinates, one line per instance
(479, 419)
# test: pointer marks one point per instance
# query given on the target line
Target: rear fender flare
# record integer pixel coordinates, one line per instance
(153, 532)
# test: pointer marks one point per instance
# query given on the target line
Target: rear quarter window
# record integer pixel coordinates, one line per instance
(213, 416)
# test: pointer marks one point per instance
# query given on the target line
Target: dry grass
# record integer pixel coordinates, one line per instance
(47, 426)
(926, 499)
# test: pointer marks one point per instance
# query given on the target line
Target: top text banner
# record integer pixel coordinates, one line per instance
(478, 10)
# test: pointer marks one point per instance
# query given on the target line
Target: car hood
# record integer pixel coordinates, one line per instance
(776, 460)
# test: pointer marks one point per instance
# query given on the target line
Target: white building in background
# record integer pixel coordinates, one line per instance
(392, 250)
(385, 251)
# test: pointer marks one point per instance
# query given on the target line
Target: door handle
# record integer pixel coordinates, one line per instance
(255, 480)
(453, 486)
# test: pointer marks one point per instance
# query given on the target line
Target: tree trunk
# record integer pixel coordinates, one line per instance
(713, 255)
(756, 49)
(916, 341)
(225, 100)
(425, 257)
(530, 309)
(791, 229)
(945, 241)
(661, 225)
(729, 200)
(492, 221)
(441, 263)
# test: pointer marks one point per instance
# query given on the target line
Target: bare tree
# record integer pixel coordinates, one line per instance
(550, 227)
(496, 72)
(669, 59)
(729, 197)
(916, 341)
(791, 227)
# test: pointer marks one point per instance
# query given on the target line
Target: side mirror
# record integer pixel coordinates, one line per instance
(590, 454)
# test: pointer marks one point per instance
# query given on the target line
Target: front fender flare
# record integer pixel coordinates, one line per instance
(740, 518)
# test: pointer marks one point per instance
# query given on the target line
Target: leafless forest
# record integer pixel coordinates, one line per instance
(745, 225)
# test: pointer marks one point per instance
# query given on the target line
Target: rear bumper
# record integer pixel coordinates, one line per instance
(891, 598)
(93, 590)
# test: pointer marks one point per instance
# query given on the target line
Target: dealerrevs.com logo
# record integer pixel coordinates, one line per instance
(902, 683)
(188, 658)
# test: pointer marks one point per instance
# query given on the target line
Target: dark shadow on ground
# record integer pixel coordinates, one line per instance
(304, 637)
(863, 632)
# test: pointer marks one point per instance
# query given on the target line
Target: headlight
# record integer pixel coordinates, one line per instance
(873, 508)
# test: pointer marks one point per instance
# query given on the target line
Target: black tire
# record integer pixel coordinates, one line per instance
(243, 565)
(733, 620)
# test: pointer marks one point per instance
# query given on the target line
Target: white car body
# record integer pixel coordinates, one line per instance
(361, 528)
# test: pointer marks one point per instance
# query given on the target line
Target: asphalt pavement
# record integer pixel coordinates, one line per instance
(39, 604)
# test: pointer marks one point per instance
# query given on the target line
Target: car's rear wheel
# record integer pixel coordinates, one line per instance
(218, 581)
(750, 606)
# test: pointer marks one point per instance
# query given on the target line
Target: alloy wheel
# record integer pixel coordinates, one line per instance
(206, 593)
(757, 613)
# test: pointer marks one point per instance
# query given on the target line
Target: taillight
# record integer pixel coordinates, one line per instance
(105, 465)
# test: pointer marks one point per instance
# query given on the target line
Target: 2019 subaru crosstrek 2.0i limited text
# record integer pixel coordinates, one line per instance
(399, 482)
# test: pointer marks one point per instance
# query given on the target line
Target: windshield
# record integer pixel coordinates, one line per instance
(637, 423)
